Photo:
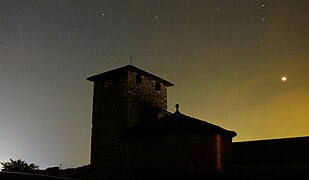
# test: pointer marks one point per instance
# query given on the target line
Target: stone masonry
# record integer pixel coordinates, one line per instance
(121, 99)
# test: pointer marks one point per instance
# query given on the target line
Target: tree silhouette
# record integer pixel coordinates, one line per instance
(19, 166)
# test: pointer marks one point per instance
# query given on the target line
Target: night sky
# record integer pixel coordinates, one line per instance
(226, 59)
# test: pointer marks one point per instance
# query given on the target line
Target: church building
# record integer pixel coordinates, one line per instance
(133, 134)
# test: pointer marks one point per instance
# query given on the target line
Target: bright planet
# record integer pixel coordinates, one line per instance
(283, 78)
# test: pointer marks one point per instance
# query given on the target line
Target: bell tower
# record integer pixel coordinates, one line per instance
(122, 98)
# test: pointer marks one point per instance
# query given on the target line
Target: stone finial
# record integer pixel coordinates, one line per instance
(177, 107)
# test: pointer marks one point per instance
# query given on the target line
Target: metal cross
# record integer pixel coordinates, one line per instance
(131, 60)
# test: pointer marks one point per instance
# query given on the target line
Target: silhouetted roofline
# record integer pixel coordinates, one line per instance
(123, 69)
(178, 123)
(283, 139)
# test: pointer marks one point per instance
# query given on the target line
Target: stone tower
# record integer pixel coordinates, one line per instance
(122, 98)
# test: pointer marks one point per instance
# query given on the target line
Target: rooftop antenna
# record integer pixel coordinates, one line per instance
(131, 60)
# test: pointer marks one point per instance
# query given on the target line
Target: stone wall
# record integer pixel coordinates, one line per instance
(120, 101)
(175, 152)
(144, 101)
(109, 118)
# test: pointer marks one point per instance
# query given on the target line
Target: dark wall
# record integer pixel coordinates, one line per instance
(108, 119)
(272, 159)
(176, 151)
(281, 151)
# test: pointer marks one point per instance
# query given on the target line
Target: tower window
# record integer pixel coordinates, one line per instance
(138, 79)
(158, 86)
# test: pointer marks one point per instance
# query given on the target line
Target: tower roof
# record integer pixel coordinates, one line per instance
(123, 70)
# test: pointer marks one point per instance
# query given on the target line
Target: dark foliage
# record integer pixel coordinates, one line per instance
(19, 166)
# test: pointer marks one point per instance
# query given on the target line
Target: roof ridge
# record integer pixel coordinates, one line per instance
(128, 67)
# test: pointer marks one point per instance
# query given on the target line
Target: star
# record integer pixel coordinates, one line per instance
(259, 40)
(262, 6)
(61, 5)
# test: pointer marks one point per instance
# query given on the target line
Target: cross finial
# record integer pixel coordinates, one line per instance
(131, 60)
